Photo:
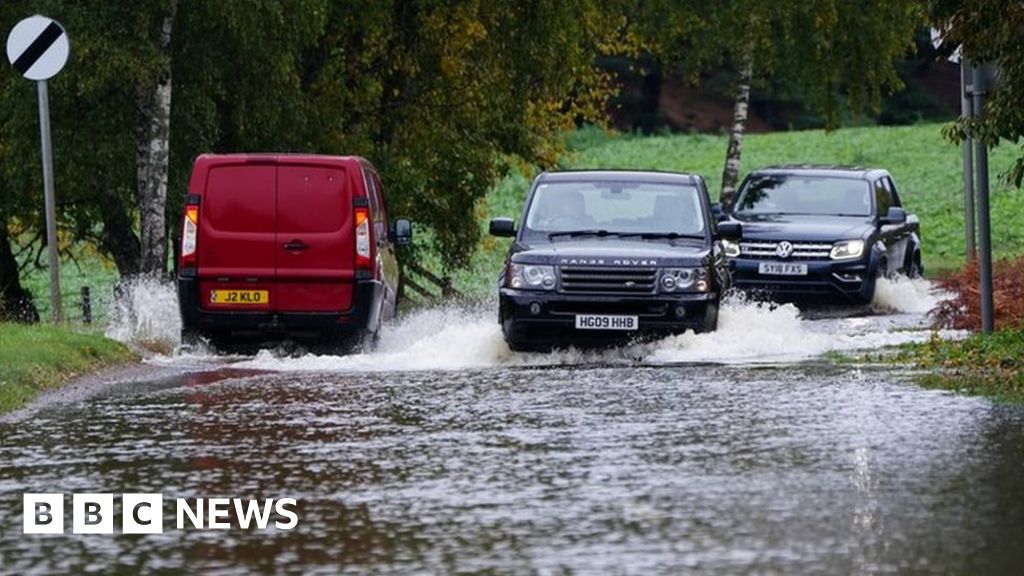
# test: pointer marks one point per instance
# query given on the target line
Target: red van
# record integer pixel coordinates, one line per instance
(277, 247)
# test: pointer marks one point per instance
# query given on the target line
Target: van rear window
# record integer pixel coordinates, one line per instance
(241, 198)
(312, 199)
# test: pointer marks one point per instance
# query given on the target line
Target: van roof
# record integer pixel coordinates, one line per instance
(206, 160)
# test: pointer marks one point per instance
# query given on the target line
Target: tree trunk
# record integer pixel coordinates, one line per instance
(730, 175)
(15, 302)
(119, 239)
(152, 141)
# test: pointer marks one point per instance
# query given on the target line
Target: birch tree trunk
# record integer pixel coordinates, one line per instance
(730, 175)
(152, 151)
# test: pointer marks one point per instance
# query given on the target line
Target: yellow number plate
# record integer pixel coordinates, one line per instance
(239, 297)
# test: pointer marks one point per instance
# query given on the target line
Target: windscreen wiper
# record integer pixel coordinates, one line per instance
(668, 235)
(589, 232)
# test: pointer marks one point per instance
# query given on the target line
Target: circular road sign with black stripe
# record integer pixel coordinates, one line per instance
(38, 47)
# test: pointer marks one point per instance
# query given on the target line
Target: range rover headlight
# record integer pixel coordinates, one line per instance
(847, 249)
(732, 249)
(683, 279)
(530, 277)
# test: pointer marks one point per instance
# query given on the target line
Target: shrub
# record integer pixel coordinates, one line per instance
(964, 309)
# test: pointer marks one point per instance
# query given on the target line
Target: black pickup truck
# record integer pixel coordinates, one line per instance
(821, 233)
(604, 256)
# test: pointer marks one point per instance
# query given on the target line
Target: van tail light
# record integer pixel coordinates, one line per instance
(189, 236)
(363, 238)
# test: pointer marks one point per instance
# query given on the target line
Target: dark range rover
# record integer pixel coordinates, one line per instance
(606, 256)
(821, 233)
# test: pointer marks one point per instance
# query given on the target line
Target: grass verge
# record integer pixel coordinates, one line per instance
(34, 358)
(989, 365)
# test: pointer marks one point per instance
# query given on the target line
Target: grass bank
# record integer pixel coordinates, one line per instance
(926, 168)
(989, 365)
(35, 357)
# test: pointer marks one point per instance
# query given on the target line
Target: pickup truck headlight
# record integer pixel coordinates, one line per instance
(732, 249)
(683, 280)
(530, 277)
(847, 249)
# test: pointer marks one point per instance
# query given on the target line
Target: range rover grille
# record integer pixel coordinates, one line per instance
(801, 250)
(608, 280)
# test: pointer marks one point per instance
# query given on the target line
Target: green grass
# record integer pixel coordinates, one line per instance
(91, 270)
(34, 358)
(926, 167)
(984, 364)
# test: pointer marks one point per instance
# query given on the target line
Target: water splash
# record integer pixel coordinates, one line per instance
(144, 314)
(908, 295)
(457, 338)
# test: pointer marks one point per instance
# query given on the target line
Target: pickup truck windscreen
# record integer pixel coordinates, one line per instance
(812, 195)
(615, 208)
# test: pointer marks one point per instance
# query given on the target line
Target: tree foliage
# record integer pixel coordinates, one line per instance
(838, 54)
(991, 32)
(432, 91)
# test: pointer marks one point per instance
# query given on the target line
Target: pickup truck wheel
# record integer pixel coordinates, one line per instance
(912, 265)
(869, 296)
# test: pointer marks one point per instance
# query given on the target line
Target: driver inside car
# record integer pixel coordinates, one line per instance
(564, 211)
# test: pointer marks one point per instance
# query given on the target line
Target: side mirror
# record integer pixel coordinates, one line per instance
(896, 215)
(502, 227)
(730, 230)
(402, 232)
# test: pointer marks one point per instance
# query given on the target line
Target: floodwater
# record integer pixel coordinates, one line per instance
(740, 452)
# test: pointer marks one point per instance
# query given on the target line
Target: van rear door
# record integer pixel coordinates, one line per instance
(315, 249)
(236, 253)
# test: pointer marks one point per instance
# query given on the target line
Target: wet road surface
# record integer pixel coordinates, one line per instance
(791, 469)
(737, 452)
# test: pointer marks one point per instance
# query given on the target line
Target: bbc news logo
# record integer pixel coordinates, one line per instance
(144, 513)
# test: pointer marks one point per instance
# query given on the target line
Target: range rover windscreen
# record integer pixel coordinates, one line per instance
(804, 195)
(615, 208)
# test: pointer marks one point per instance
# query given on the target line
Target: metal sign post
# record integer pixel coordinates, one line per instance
(967, 110)
(38, 48)
(984, 231)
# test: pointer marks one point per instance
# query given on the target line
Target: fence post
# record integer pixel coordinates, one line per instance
(86, 306)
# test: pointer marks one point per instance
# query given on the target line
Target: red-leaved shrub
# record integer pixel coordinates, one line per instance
(964, 309)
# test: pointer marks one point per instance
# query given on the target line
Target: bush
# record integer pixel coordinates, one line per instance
(964, 309)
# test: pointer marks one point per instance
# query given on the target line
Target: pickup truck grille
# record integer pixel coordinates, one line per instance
(607, 280)
(801, 250)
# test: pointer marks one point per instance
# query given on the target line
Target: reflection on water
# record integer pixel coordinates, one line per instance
(552, 470)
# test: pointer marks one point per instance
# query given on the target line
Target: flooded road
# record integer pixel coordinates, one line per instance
(730, 453)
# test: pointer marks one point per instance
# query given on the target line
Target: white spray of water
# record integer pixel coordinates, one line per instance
(907, 295)
(748, 332)
(144, 314)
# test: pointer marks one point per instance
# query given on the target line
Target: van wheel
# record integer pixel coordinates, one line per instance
(369, 341)
(359, 343)
(191, 340)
